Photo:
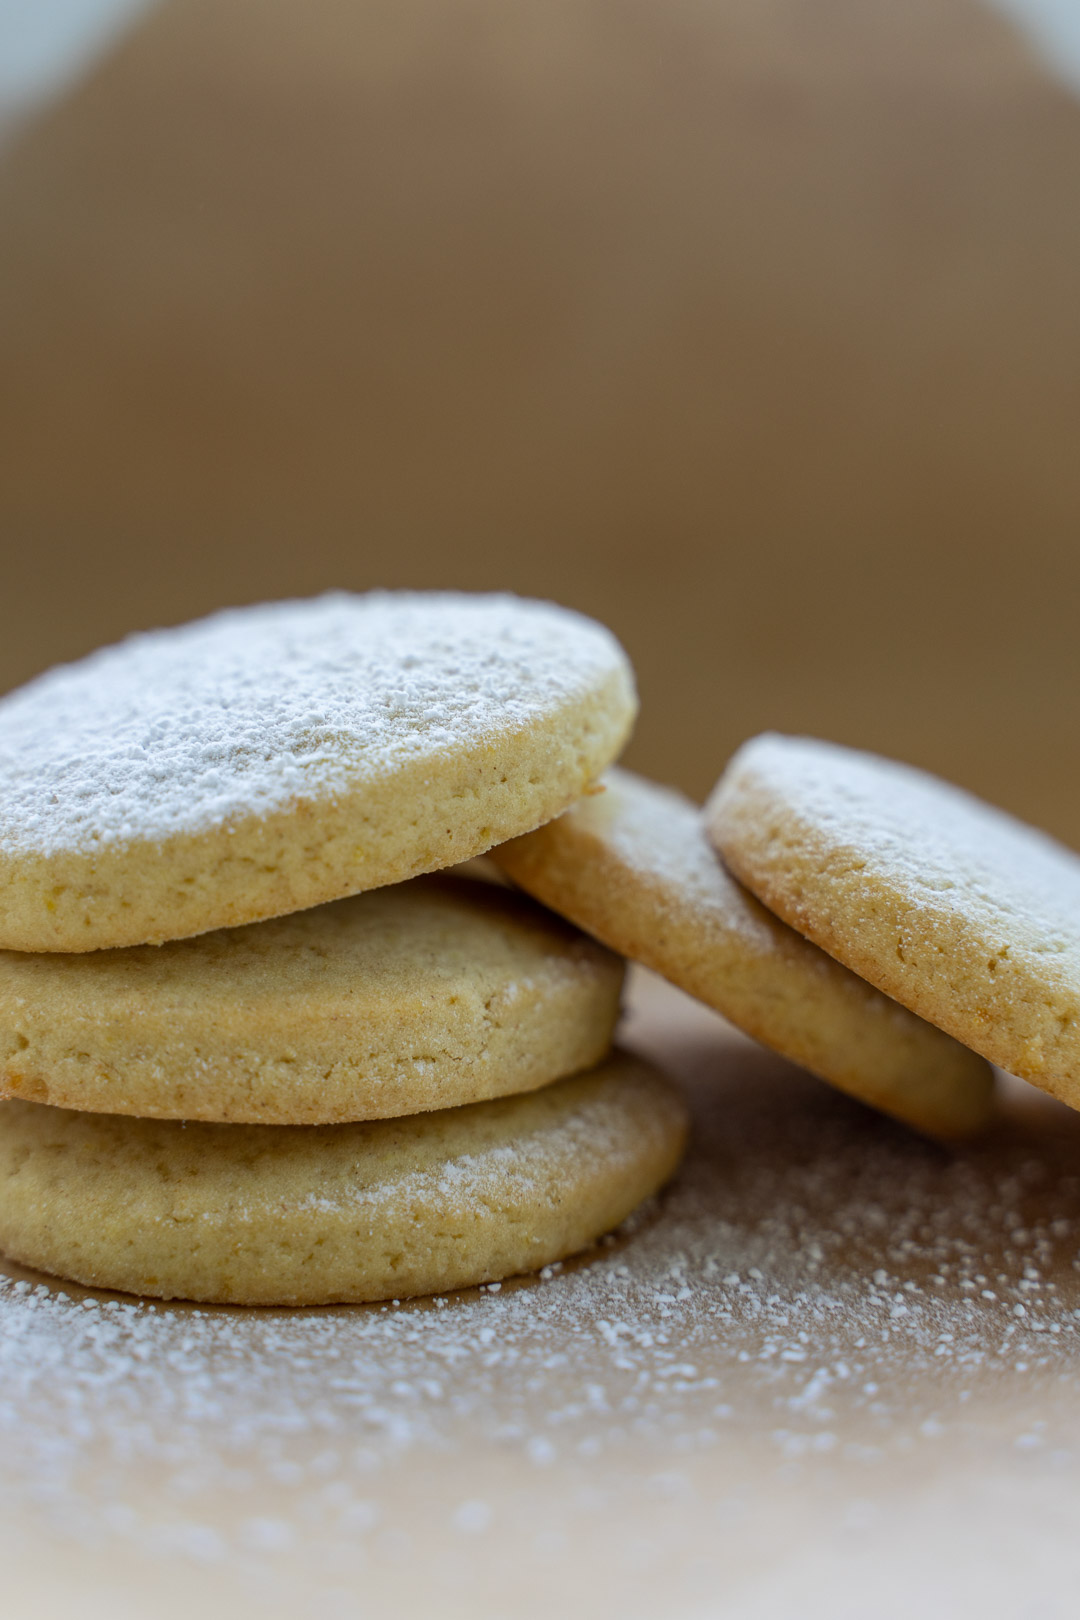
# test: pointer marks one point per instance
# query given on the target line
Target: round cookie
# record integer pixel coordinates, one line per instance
(422, 995)
(957, 910)
(633, 866)
(271, 758)
(293, 1215)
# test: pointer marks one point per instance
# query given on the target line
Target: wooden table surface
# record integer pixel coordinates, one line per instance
(833, 1372)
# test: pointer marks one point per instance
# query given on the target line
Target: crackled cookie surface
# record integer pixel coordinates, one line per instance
(633, 866)
(422, 995)
(271, 758)
(964, 914)
(295, 1215)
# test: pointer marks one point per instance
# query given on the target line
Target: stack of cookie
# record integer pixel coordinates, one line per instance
(260, 1046)
(251, 1053)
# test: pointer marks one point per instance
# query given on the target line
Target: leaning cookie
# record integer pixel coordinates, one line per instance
(283, 1215)
(964, 914)
(272, 758)
(423, 995)
(632, 865)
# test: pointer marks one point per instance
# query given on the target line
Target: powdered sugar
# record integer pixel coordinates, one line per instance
(820, 1297)
(243, 713)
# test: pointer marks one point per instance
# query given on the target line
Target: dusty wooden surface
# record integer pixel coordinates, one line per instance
(833, 1373)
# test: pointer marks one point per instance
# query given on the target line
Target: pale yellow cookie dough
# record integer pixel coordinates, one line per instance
(422, 995)
(268, 759)
(313, 1215)
(964, 914)
(633, 866)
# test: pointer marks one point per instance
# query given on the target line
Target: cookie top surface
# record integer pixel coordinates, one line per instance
(634, 867)
(273, 757)
(964, 914)
(260, 1214)
(426, 994)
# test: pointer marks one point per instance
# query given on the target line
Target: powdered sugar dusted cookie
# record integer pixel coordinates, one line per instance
(633, 866)
(271, 758)
(965, 915)
(284, 1215)
(422, 995)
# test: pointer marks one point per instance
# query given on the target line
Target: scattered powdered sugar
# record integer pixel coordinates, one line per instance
(819, 1289)
(239, 714)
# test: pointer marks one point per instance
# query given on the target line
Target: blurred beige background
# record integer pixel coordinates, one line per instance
(749, 326)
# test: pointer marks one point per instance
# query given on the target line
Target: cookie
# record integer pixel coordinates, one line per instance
(271, 758)
(317, 1215)
(633, 866)
(970, 918)
(422, 995)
